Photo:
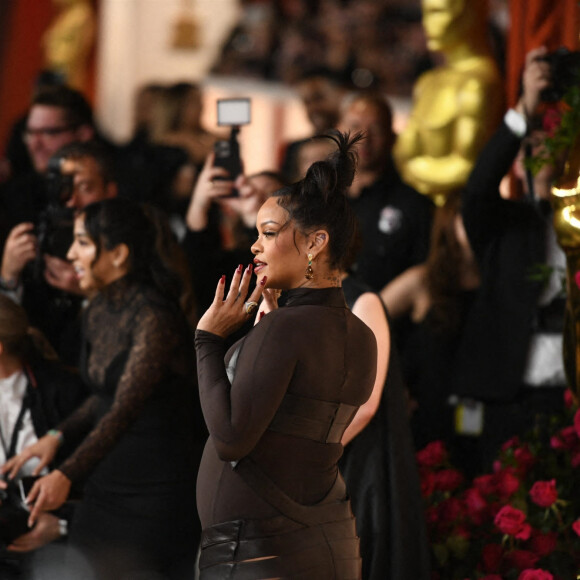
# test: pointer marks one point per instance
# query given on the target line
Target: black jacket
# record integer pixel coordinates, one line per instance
(508, 238)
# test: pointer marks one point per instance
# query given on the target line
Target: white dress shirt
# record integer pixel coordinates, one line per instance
(12, 391)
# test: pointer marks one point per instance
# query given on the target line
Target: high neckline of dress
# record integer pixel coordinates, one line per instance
(116, 292)
(333, 297)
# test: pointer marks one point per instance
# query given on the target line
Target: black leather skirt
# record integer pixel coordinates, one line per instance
(282, 548)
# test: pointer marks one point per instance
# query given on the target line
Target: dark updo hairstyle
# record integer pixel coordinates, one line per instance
(320, 199)
(117, 221)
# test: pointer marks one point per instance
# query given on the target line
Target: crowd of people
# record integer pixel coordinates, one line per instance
(376, 323)
(378, 44)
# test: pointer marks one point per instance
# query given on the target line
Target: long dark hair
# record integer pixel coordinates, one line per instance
(117, 221)
(444, 264)
(320, 199)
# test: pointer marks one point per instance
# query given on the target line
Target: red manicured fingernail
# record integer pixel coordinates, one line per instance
(239, 269)
(249, 268)
(261, 315)
(223, 279)
(263, 281)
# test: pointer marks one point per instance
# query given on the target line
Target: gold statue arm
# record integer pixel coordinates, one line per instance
(69, 40)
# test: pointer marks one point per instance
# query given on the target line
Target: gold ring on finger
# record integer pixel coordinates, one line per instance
(249, 307)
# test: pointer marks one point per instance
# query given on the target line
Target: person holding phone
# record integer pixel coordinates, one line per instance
(36, 393)
(221, 226)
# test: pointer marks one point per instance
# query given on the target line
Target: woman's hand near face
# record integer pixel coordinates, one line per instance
(48, 493)
(45, 449)
(225, 315)
(269, 302)
(207, 188)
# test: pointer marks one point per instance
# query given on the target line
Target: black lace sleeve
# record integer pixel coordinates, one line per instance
(152, 347)
(75, 427)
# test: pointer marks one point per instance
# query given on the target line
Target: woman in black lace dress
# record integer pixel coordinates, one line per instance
(135, 431)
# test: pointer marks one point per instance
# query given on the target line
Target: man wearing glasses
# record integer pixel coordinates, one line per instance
(58, 116)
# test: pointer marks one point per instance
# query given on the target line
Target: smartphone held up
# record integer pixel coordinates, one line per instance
(231, 113)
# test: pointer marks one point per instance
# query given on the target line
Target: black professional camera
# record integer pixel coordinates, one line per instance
(55, 225)
(565, 68)
(14, 512)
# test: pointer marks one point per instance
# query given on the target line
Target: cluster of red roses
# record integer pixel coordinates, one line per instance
(521, 522)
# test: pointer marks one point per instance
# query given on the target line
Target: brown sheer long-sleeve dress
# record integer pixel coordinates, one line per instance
(270, 497)
(137, 433)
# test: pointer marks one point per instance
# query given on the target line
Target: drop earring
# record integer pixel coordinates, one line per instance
(309, 272)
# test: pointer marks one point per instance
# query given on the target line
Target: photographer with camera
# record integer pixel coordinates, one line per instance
(36, 393)
(509, 371)
(58, 115)
(221, 226)
(34, 257)
(221, 216)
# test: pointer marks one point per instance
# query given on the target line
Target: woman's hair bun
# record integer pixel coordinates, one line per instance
(336, 173)
(321, 198)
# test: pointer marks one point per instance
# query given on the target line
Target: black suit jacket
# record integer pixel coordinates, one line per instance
(508, 238)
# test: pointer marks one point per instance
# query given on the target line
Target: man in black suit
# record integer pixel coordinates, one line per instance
(509, 365)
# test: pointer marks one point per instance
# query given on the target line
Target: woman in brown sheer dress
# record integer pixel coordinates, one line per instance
(271, 499)
(134, 433)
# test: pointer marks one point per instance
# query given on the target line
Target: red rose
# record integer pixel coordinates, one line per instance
(491, 557)
(525, 532)
(513, 442)
(450, 510)
(565, 439)
(537, 574)
(524, 458)
(448, 479)
(506, 483)
(544, 493)
(427, 483)
(551, 120)
(475, 504)
(575, 459)
(432, 455)
(568, 399)
(576, 526)
(510, 520)
(474, 501)
(544, 544)
(486, 484)
(492, 577)
(522, 559)
(577, 422)
(462, 532)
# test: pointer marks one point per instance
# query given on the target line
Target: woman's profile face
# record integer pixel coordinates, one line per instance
(281, 252)
(92, 273)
